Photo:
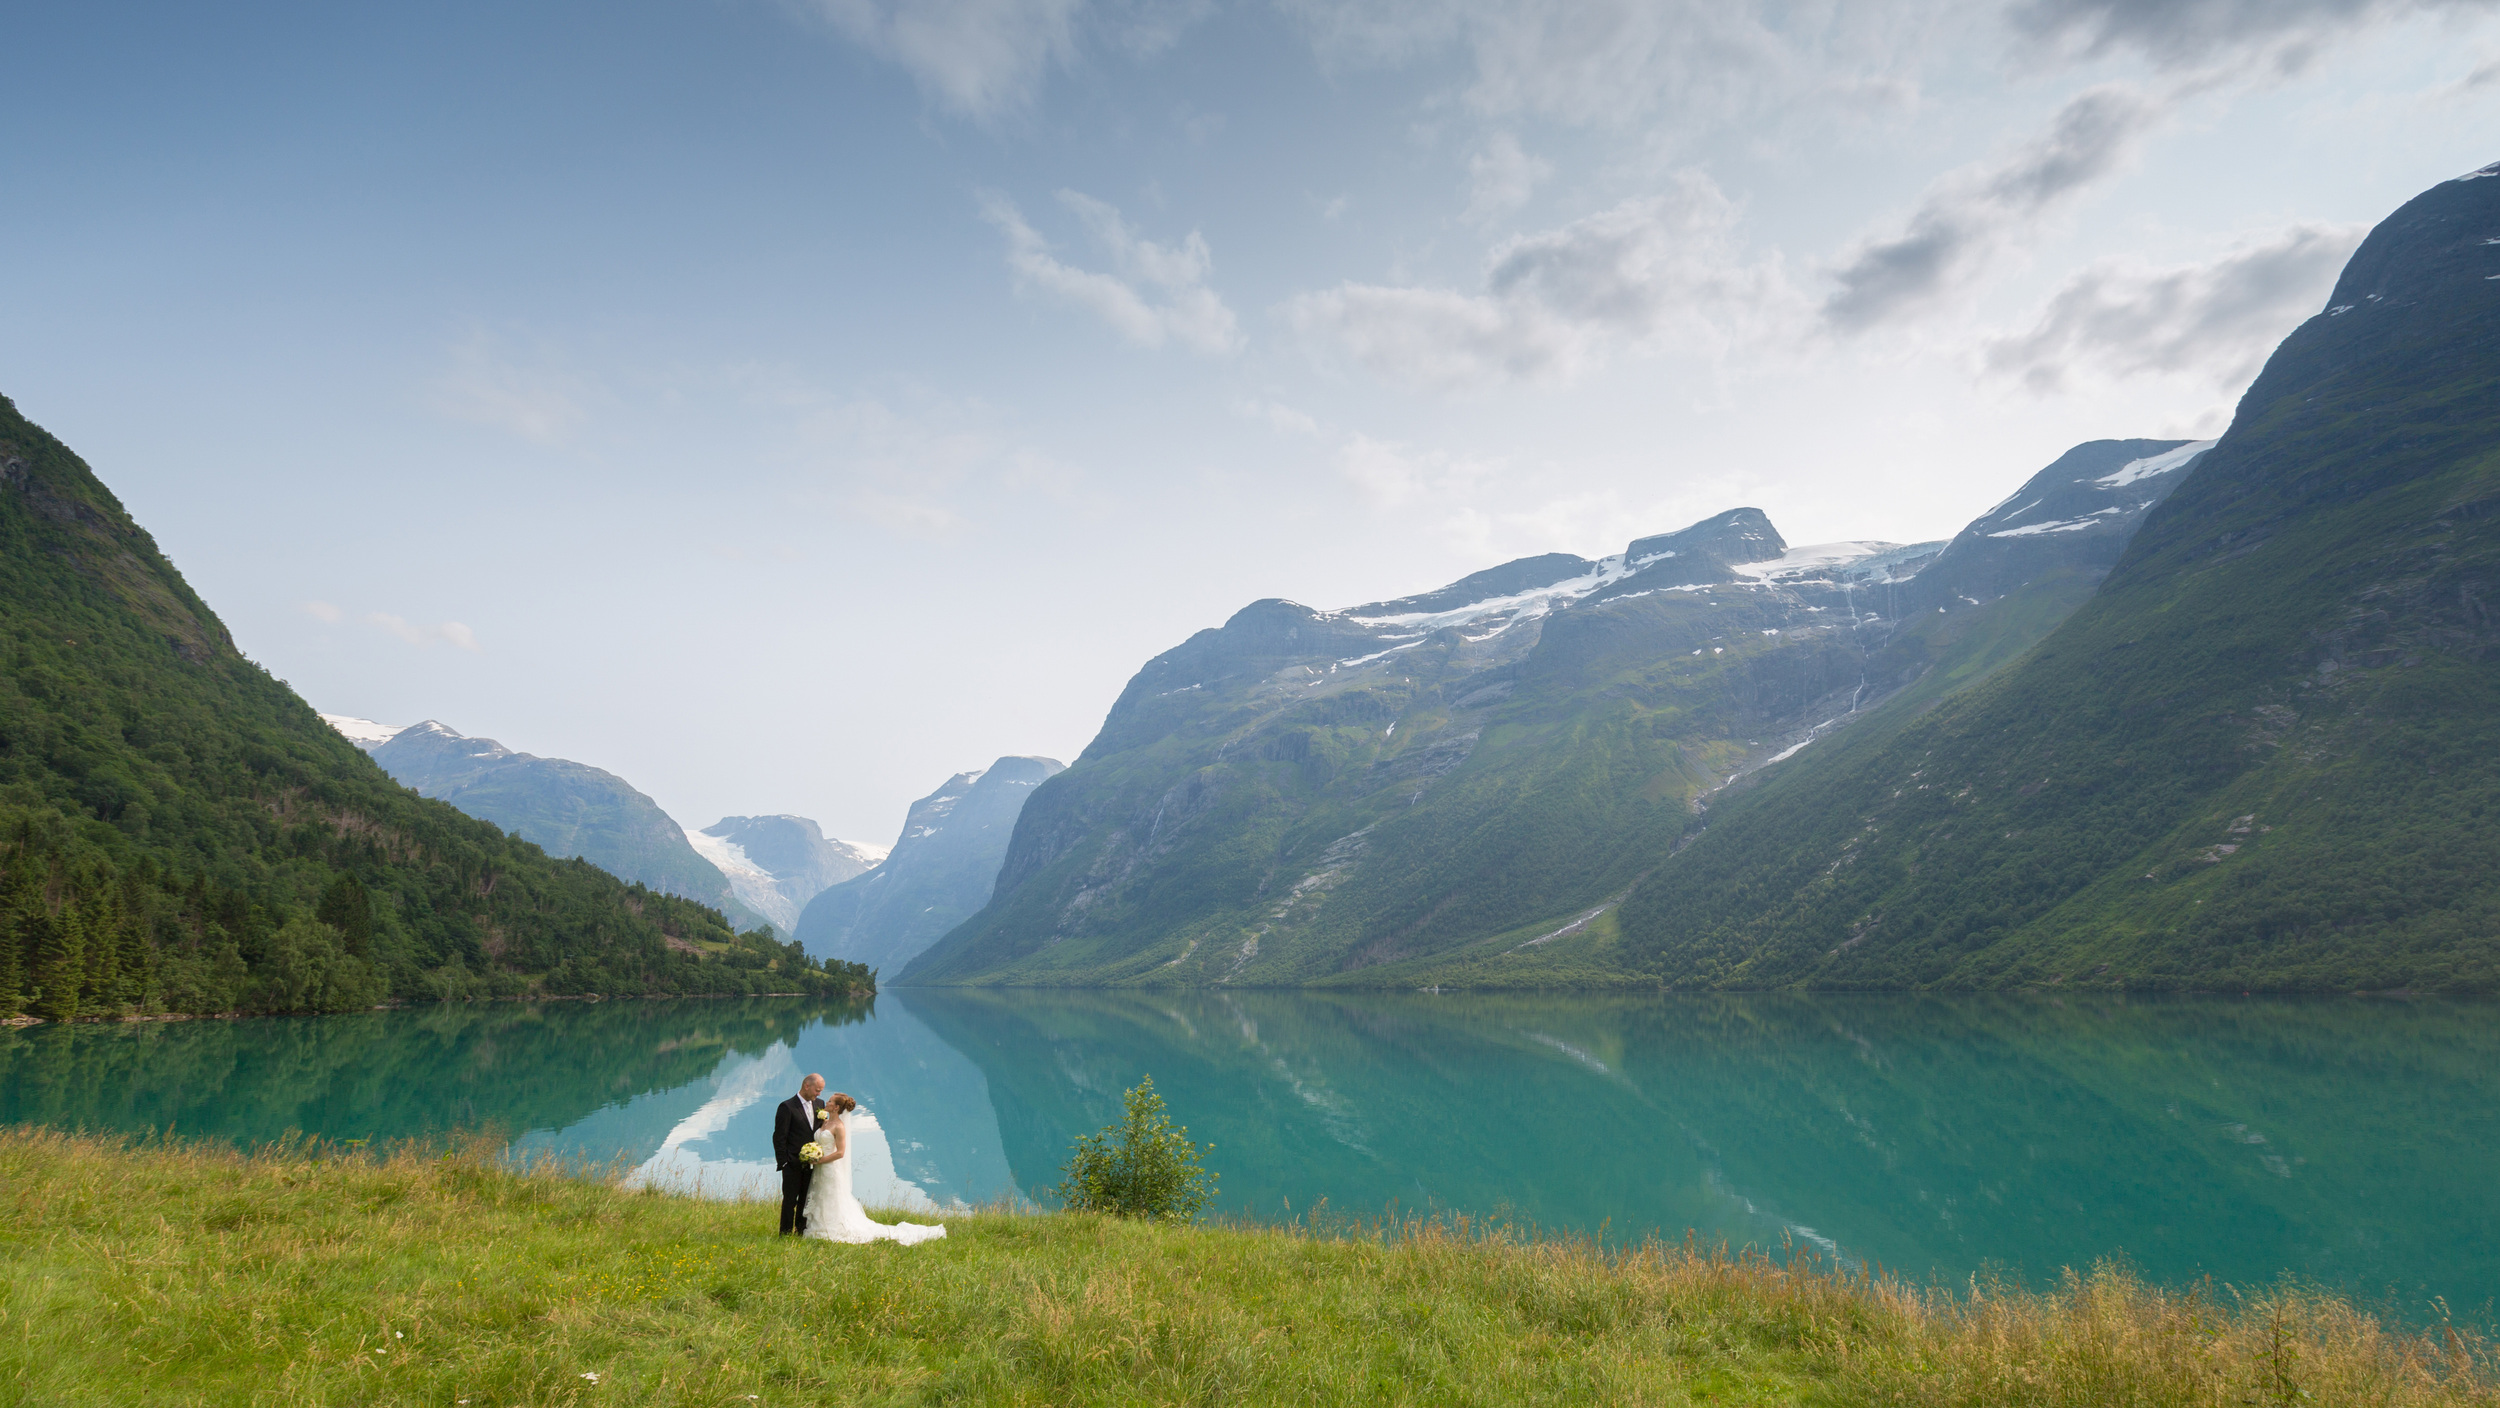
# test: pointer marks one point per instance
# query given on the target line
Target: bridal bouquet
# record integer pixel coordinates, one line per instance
(810, 1152)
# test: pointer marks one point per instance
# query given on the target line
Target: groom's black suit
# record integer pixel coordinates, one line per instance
(794, 1124)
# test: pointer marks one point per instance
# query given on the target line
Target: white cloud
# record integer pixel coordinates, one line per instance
(533, 396)
(913, 463)
(1968, 215)
(413, 632)
(1501, 178)
(983, 58)
(1278, 416)
(1691, 63)
(1559, 302)
(1391, 476)
(416, 633)
(2214, 321)
(1489, 508)
(1158, 294)
(979, 57)
(2288, 34)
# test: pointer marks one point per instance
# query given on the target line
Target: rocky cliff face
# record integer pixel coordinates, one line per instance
(942, 869)
(1304, 795)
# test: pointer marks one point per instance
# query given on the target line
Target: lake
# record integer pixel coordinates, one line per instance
(2354, 1142)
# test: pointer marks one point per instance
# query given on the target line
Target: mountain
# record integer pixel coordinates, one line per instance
(180, 832)
(1479, 771)
(566, 808)
(2267, 752)
(767, 867)
(776, 864)
(364, 733)
(941, 871)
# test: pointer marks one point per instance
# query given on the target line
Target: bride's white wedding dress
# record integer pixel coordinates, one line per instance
(834, 1213)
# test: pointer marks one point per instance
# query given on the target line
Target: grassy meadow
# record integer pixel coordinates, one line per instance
(146, 1273)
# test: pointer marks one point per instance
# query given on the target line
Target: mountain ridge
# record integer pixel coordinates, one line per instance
(1302, 795)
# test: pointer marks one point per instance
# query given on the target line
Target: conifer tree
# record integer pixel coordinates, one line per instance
(345, 908)
(99, 950)
(53, 949)
(133, 938)
(13, 947)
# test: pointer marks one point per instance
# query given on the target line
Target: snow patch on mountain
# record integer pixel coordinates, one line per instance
(1519, 606)
(2146, 468)
(2064, 526)
(364, 733)
(751, 883)
(1872, 561)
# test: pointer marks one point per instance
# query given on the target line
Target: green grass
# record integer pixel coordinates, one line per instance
(132, 1273)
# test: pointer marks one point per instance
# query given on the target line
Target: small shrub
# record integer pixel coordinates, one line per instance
(1140, 1167)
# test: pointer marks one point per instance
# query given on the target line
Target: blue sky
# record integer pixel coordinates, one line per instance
(787, 403)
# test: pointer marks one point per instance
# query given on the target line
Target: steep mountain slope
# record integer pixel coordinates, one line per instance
(776, 864)
(1472, 774)
(179, 831)
(941, 871)
(566, 808)
(2267, 753)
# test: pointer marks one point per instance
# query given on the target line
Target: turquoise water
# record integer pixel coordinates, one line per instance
(2352, 1142)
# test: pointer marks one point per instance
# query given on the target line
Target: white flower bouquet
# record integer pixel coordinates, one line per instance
(810, 1152)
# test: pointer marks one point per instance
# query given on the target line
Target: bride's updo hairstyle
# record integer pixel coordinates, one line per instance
(841, 1104)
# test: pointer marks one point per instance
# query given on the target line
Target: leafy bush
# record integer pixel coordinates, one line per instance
(1140, 1167)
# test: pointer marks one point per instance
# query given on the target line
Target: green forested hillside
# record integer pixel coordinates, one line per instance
(179, 831)
(567, 808)
(2266, 754)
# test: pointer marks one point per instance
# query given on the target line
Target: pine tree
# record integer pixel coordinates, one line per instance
(99, 949)
(53, 947)
(138, 952)
(345, 908)
(13, 945)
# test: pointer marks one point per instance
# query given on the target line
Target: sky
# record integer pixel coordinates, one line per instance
(785, 404)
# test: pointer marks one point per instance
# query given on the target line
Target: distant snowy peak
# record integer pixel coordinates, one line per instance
(433, 729)
(364, 733)
(2073, 497)
(1492, 601)
(777, 863)
(2151, 465)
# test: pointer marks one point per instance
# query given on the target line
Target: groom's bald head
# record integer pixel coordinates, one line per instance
(811, 1087)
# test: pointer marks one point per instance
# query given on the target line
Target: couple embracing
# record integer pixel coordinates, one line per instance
(812, 1148)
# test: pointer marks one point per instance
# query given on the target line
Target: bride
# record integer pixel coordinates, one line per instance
(833, 1211)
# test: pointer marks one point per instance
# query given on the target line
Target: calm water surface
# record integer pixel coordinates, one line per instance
(2353, 1142)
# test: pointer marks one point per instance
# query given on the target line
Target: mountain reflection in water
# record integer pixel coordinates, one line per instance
(2344, 1140)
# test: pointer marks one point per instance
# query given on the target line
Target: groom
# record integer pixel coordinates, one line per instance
(794, 1124)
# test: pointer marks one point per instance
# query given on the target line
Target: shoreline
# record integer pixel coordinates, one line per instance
(130, 1018)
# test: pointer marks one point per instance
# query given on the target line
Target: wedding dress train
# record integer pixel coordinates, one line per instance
(834, 1213)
